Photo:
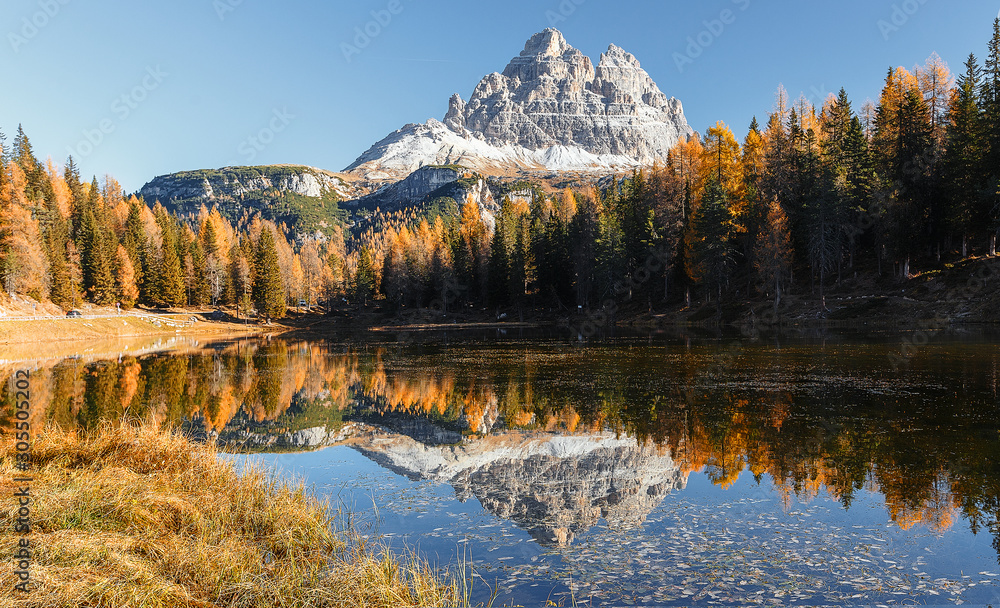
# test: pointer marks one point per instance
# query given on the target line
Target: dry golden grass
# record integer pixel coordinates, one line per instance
(43, 331)
(131, 516)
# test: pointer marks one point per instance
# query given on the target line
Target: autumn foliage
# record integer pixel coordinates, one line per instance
(813, 195)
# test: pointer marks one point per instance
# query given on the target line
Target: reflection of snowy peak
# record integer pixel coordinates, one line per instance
(552, 486)
(549, 109)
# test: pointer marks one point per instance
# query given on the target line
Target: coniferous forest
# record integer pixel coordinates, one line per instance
(811, 197)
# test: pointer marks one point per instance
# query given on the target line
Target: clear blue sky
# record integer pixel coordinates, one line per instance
(185, 84)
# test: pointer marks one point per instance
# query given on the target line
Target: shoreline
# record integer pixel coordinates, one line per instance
(135, 515)
(960, 295)
(23, 331)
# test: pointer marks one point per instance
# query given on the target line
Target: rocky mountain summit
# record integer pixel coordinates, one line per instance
(550, 109)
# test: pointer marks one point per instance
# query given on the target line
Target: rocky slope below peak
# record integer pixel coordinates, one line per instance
(433, 184)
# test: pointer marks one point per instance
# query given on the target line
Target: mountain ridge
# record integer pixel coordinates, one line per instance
(550, 109)
(305, 198)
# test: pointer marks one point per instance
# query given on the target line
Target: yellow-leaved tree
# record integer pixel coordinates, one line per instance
(936, 83)
(721, 163)
(773, 253)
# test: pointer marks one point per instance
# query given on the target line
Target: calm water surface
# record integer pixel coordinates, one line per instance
(626, 471)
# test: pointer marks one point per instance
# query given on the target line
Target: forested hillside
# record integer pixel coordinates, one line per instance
(811, 198)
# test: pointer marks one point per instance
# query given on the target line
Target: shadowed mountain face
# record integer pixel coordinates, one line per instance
(551, 486)
(549, 109)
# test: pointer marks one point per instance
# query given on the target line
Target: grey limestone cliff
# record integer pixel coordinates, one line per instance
(550, 108)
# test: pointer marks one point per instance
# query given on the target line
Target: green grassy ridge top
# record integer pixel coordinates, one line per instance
(250, 172)
(300, 212)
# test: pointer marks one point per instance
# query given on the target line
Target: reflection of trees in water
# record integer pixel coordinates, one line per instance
(931, 460)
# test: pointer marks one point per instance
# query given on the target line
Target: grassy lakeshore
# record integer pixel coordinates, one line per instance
(132, 516)
(30, 331)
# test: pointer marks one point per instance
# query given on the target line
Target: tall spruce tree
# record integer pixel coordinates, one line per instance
(24, 155)
(168, 275)
(710, 254)
(583, 232)
(57, 236)
(499, 266)
(268, 290)
(964, 156)
(905, 165)
(97, 245)
(136, 245)
(991, 118)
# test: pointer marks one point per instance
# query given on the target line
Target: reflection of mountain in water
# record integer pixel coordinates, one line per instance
(815, 421)
(552, 486)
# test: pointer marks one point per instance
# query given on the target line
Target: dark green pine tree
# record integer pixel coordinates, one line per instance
(268, 290)
(819, 202)
(755, 210)
(61, 289)
(963, 156)
(555, 265)
(583, 231)
(860, 180)
(521, 262)
(209, 240)
(920, 176)
(499, 264)
(193, 265)
(38, 187)
(84, 223)
(98, 268)
(710, 254)
(136, 245)
(906, 168)
(200, 290)
(799, 175)
(97, 246)
(364, 278)
(610, 250)
(169, 273)
(23, 154)
(833, 217)
(240, 280)
(633, 209)
(836, 128)
(248, 255)
(78, 201)
(991, 118)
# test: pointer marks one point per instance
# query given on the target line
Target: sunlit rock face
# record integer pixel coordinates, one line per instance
(552, 95)
(549, 109)
(206, 187)
(551, 486)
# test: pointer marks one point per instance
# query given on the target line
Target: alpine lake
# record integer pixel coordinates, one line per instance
(683, 468)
